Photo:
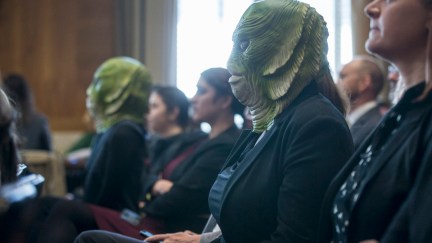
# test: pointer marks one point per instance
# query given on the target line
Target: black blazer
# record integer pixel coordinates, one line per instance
(276, 193)
(413, 223)
(365, 124)
(390, 177)
(185, 206)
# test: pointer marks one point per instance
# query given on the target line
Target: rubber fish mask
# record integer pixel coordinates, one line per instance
(119, 91)
(279, 47)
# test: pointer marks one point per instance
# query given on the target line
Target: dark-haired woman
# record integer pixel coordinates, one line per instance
(32, 126)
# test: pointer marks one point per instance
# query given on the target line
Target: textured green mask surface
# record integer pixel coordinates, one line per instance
(279, 47)
(119, 91)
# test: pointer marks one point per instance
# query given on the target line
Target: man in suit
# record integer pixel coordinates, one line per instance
(362, 79)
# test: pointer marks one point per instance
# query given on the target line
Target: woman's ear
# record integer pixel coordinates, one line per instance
(226, 101)
(174, 113)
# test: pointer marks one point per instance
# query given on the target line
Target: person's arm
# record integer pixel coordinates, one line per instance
(190, 192)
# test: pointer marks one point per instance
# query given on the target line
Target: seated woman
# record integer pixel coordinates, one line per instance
(180, 201)
(272, 185)
(384, 193)
(170, 140)
(32, 126)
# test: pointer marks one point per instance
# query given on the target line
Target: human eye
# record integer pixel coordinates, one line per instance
(201, 91)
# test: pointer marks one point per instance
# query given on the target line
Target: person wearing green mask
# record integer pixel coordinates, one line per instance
(117, 100)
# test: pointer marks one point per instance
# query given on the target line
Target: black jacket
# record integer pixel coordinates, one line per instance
(276, 193)
(185, 206)
(392, 174)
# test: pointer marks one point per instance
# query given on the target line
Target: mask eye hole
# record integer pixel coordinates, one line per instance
(244, 45)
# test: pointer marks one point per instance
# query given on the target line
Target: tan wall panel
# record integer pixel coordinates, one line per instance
(56, 45)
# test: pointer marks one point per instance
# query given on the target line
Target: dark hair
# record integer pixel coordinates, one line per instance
(427, 3)
(17, 88)
(218, 79)
(328, 88)
(8, 145)
(174, 98)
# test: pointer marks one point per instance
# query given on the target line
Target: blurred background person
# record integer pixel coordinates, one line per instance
(171, 140)
(362, 79)
(32, 126)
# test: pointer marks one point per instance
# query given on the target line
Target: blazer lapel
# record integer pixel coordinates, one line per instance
(240, 146)
(248, 159)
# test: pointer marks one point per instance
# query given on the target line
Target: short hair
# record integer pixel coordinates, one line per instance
(174, 98)
(372, 67)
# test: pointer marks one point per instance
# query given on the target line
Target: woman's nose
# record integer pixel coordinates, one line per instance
(371, 10)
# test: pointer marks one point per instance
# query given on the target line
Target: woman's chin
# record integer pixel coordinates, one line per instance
(372, 46)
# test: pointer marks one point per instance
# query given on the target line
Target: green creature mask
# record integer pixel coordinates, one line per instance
(279, 47)
(119, 91)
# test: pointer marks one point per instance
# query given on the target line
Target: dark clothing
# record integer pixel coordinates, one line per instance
(162, 152)
(113, 180)
(35, 134)
(115, 166)
(365, 124)
(275, 192)
(397, 148)
(413, 223)
(184, 206)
